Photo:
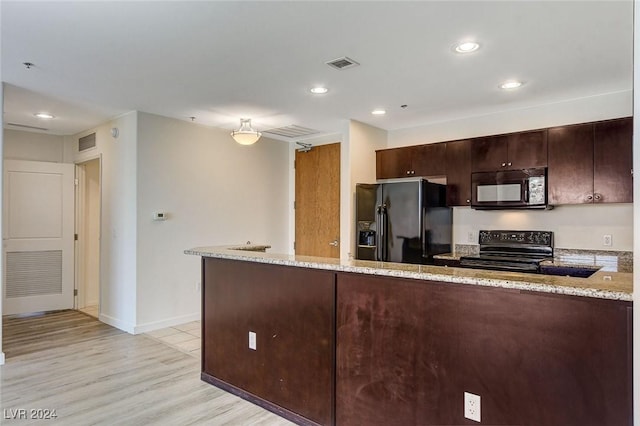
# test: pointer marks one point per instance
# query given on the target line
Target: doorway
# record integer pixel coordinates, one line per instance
(88, 223)
(317, 201)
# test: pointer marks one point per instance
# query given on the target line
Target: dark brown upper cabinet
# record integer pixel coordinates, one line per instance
(421, 160)
(613, 161)
(458, 161)
(591, 163)
(520, 150)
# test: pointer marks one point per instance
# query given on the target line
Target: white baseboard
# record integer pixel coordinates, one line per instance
(114, 322)
(170, 322)
(1, 358)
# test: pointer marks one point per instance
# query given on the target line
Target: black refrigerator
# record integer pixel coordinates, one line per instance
(406, 222)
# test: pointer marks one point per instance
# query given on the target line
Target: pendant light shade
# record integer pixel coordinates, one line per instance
(245, 135)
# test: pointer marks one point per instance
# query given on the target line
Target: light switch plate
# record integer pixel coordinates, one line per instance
(252, 341)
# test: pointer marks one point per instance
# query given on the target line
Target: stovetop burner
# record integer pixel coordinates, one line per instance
(511, 250)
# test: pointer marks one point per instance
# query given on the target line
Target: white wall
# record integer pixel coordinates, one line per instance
(21, 145)
(1, 208)
(118, 242)
(594, 108)
(364, 140)
(574, 226)
(215, 192)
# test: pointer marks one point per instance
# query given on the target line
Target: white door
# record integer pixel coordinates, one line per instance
(38, 214)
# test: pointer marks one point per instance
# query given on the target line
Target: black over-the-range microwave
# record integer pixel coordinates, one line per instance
(509, 189)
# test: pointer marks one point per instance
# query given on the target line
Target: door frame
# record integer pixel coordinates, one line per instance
(80, 243)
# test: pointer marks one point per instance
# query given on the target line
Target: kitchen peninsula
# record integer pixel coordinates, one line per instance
(329, 341)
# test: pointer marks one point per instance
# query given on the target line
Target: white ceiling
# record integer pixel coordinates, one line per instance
(220, 61)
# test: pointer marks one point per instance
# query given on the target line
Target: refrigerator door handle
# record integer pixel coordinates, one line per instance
(383, 241)
(378, 232)
(421, 214)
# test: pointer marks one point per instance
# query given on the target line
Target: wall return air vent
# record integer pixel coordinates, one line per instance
(87, 142)
(342, 63)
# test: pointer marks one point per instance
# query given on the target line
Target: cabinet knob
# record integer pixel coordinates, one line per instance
(468, 201)
(413, 172)
(509, 164)
(589, 197)
(597, 196)
(408, 172)
(504, 164)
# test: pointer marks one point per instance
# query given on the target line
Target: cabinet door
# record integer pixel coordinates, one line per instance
(613, 162)
(393, 163)
(527, 150)
(429, 160)
(570, 171)
(458, 156)
(489, 154)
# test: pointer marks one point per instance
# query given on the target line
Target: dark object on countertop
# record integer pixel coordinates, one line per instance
(568, 271)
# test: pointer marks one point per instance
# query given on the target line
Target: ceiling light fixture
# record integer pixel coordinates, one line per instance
(511, 84)
(466, 47)
(378, 111)
(245, 135)
(44, 115)
(319, 90)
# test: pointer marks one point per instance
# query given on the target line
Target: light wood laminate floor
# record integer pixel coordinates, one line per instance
(93, 374)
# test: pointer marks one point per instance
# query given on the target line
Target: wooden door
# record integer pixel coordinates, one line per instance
(527, 150)
(38, 236)
(613, 162)
(393, 163)
(570, 171)
(489, 154)
(458, 163)
(317, 201)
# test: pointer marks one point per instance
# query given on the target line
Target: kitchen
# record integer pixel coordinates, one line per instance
(359, 144)
(380, 347)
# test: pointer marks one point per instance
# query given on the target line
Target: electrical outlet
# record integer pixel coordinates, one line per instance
(470, 237)
(472, 406)
(606, 240)
(252, 341)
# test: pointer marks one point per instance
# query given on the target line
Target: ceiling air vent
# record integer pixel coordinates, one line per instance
(87, 142)
(342, 63)
(292, 131)
(24, 126)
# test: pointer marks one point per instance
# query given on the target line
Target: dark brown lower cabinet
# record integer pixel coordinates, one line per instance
(292, 312)
(353, 349)
(408, 350)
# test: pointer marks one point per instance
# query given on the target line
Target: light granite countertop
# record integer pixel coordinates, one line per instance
(603, 285)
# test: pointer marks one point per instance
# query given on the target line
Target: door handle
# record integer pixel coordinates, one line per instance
(334, 243)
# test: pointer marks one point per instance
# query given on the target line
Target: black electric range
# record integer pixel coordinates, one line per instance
(518, 251)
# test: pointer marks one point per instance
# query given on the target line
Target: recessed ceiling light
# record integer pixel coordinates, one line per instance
(466, 47)
(511, 84)
(378, 111)
(44, 115)
(319, 90)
